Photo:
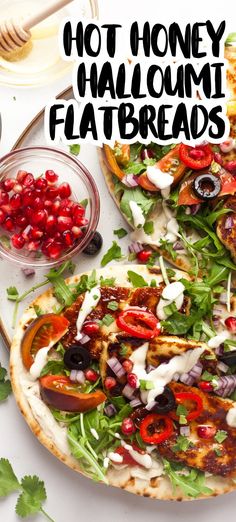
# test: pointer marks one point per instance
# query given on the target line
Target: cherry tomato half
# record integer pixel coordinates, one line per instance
(46, 329)
(155, 428)
(59, 392)
(169, 161)
(132, 320)
(196, 158)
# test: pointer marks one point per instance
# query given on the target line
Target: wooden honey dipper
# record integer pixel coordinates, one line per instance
(14, 36)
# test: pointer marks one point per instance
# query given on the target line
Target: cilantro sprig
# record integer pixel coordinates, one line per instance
(5, 384)
(113, 253)
(31, 488)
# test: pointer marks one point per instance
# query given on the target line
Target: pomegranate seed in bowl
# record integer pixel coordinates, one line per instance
(18, 241)
(64, 190)
(51, 176)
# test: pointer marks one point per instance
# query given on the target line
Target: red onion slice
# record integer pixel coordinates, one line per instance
(135, 247)
(116, 367)
(185, 378)
(110, 410)
(130, 180)
(222, 367)
(185, 431)
(135, 403)
(28, 272)
(77, 376)
(128, 391)
(229, 223)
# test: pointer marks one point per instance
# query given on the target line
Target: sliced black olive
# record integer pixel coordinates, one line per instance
(228, 358)
(206, 186)
(164, 402)
(94, 246)
(77, 358)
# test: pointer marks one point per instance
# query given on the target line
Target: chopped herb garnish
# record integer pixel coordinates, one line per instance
(182, 444)
(170, 309)
(75, 149)
(109, 281)
(153, 283)
(107, 320)
(218, 452)
(148, 228)
(220, 436)
(120, 233)
(146, 385)
(123, 349)
(113, 305)
(113, 253)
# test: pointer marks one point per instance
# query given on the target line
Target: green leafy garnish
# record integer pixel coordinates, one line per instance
(120, 232)
(113, 253)
(5, 384)
(32, 495)
(113, 305)
(109, 281)
(192, 483)
(146, 385)
(75, 149)
(146, 203)
(54, 368)
(123, 349)
(182, 443)
(107, 320)
(136, 279)
(148, 228)
(220, 436)
(86, 283)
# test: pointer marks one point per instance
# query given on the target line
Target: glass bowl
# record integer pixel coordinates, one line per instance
(37, 160)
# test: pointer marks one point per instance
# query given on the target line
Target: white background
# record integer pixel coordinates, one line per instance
(70, 496)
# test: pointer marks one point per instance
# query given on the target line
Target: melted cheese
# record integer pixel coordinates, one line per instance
(138, 217)
(91, 300)
(164, 373)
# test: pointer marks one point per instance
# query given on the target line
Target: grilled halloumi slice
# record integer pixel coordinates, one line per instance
(205, 454)
(226, 233)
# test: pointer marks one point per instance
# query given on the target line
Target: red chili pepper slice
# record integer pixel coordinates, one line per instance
(182, 397)
(155, 428)
(196, 158)
(132, 320)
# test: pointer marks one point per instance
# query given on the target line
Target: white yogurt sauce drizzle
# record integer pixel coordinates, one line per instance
(90, 301)
(231, 417)
(138, 217)
(161, 180)
(164, 373)
(172, 293)
(39, 361)
(217, 340)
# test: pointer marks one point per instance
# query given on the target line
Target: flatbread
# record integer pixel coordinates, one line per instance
(53, 436)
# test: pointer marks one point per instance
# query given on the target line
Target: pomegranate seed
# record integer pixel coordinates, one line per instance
(206, 432)
(91, 375)
(55, 249)
(33, 246)
(205, 386)
(45, 245)
(39, 218)
(4, 197)
(110, 383)
(51, 192)
(64, 190)
(55, 207)
(28, 180)
(16, 201)
(144, 256)
(230, 323)
(7, 209)
(64, 223)
(41, 184)
(51, 224)
(231, 166)
(9, 224)
(28, 197)
(21, 175)
(18, 241)
(127, 426)
(77, 232)
(132, 379)
(127, 365)
(68, 238)
(38, 203)
(48, 204)
(17, 188)
(196, 154)
(90, 328)
(66, 211)
(51, 176)
(78, 211)
(36, 233)
(21, 221)
(29, 213)
(2, 216)
(68, 203)
(8, 184)
(83, 222)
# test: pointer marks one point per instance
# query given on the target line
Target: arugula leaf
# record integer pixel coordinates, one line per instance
(5, 384)
(109, 281)
(75, 149)
(120, 233)
(86, 283)
(168, 247)
(54, 368)
(192, 484)
(146, 203)
(135, 168)
(114, 252)
(33, 495)
(8, 480)
(136, 279)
